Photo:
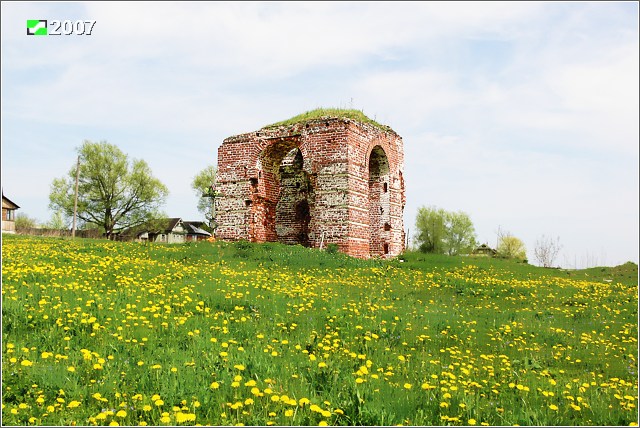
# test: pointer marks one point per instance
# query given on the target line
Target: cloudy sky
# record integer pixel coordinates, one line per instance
(524, 115)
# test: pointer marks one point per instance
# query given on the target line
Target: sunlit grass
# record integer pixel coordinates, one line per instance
(99, 333)
(319, 113)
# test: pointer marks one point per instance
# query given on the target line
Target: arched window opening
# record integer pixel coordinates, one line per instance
(379, 207)
(294, 200)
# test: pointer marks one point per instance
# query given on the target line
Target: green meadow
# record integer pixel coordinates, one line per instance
(109, 333)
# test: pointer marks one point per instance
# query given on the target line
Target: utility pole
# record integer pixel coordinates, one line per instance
(75, 202)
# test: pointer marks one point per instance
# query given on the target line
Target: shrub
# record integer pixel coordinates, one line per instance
(332, 248)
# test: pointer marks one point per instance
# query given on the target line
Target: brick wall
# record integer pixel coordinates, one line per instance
(324, 181)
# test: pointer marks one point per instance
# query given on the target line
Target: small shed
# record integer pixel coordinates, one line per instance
(484, 250)
(8, 215)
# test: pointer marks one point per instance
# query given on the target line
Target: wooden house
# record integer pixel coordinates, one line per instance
(8, 215)
(484, 251)
(167, 230)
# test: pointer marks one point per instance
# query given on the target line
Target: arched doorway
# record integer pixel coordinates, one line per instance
(293, 200)
(379, 209)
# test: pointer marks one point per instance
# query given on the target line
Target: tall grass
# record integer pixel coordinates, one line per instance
(99, 333)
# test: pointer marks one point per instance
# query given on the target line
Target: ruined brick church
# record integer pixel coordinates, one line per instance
(315, 182)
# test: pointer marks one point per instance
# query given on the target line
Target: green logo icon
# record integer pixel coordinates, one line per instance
(36, 27)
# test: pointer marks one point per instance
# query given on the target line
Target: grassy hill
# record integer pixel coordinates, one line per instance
(98, 333)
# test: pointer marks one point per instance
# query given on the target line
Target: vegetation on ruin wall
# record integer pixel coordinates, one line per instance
(319, 113)
(107, 333)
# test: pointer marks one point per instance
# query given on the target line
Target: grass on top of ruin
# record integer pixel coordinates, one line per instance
(319, 113)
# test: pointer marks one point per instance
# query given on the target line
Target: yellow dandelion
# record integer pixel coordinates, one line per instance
(303, 401)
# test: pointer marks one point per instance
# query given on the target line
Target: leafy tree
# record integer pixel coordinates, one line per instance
(57, 221)
(460, 235)
(113, 192)
(430, 226)
(510, 247)
(546, 250)
(23, 221)
(203, 185)
(443, 232)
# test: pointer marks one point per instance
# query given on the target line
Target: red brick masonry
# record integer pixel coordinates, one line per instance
(327, 180)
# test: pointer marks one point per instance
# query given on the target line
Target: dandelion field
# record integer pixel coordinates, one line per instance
(109, 333)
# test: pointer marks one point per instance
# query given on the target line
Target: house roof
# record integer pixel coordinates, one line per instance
(161, 225)
(483, 248)
(8, 203)
(171, 223)
(193, 228)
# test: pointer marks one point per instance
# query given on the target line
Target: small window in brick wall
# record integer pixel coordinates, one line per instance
(387, 227)
(386, 248)
(253, 181)
(384, 187)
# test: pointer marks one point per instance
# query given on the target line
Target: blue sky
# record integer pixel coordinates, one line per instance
(524, 115)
